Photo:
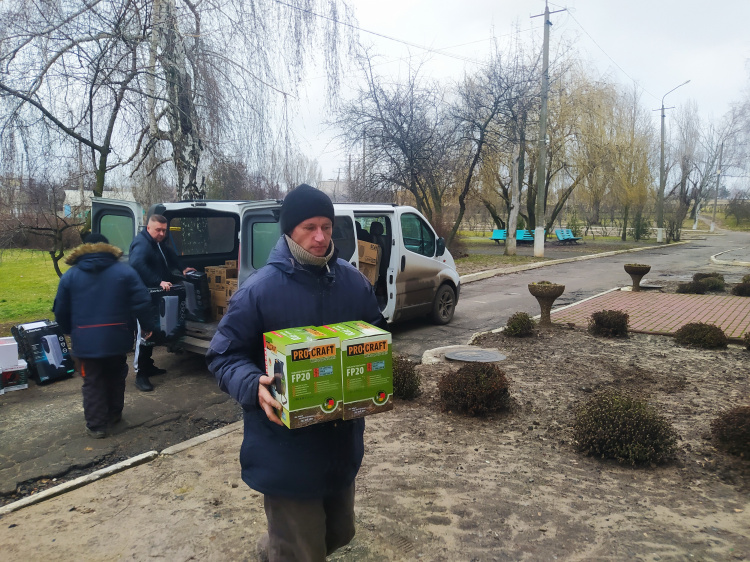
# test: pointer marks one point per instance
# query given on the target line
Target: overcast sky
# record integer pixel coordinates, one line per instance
(657, 44)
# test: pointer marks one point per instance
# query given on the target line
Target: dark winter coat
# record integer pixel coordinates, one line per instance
(149, 262)
(308, 462)
(97, 300)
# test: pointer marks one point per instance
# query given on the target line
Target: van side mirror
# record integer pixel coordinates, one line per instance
(440, 246)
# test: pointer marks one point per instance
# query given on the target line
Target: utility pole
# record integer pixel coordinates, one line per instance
(540, 170)
(662, 175)
(718, 181)
(364, 172)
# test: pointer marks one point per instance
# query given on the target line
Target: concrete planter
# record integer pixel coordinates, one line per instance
(546, 293)
(637, 272)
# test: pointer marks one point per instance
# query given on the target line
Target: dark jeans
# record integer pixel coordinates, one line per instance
(103, 388)
(309, 530)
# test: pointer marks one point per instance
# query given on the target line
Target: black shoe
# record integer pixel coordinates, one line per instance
(96, 433)
(153, 371)
(143, 384)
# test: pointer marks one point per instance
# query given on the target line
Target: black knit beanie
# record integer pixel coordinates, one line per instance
(302, 203)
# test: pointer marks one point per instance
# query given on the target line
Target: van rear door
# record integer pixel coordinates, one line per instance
(118, 220)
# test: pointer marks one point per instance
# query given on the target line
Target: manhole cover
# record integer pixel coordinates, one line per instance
(475, 356)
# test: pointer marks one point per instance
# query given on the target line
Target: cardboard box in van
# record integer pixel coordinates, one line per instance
(232, 286)
(217, 276)
(306, 366)
(369, 260)
(366, 368)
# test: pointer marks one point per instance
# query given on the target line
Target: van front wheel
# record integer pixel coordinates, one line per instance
(444, 305)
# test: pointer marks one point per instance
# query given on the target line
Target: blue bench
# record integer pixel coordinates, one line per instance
(566, 236)
(498, 236)
(524, 235)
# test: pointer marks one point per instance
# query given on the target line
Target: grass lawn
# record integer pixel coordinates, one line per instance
(28, 284)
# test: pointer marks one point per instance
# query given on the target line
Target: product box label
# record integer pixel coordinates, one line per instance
(366, 368)
(306, 366)
(15, 377)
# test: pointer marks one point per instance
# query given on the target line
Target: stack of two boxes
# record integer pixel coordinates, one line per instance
(324, 373)
(222, 282)
(14, 374)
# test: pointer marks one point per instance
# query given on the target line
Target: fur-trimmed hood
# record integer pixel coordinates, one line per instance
(94, 257)
(98, 248)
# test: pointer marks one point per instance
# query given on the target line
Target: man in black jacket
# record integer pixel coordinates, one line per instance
(154, 260)
(95, 303)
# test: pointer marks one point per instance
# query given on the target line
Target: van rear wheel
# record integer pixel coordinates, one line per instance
(444, 305)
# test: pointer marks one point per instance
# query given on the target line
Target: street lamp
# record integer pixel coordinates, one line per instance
(662, 176)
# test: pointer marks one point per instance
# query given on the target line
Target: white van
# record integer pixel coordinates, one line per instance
(417, 274)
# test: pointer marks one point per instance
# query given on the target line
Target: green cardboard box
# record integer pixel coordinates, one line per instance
(366, 368)
(306, 366)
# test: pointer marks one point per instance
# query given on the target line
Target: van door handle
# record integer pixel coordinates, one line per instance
(403, 263)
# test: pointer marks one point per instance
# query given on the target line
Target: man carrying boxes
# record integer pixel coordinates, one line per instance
(306, 474)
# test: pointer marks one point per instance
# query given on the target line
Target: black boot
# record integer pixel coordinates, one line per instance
(143, 384)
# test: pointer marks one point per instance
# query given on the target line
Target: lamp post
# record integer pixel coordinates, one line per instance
(662, 175)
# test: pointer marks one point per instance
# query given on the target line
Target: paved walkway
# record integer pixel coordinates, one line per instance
(662, 313)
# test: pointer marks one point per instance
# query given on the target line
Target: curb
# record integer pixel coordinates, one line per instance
(119, 467)
(717, 261)
(471, 277)
(79, 482)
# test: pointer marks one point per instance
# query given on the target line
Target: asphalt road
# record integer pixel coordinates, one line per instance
(487, 304)
(42, 438)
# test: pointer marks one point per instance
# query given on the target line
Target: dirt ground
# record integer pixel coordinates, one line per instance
(511, 486)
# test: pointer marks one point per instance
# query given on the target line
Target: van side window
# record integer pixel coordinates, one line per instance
(418, 237)
(264, 237)
(194, 235)
(119, 230)
(343, 236)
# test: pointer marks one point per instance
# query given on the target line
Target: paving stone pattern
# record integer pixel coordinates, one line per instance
(665, 313)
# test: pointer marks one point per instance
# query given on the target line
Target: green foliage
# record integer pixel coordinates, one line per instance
(475, 389)
(574, 224)
(746, 278)
(700, 334)
(703, 276)
(713, 283)
(406, 379)
(609, 323)
(641, 227)
(692, 288)
(746, 339)
(620, 427)
(519, 325)
(741, 290)
(28, 284)
(732, 431)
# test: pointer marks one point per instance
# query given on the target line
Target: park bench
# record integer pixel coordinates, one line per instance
(498, 236)
(524, 236)
(566, 236)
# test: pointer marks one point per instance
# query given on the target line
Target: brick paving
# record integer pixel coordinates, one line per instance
(663, 313)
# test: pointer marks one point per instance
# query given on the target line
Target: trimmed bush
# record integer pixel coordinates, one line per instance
(713, 283)
(746, 339)
(711, 275)
(609, 323)
(618, 426)
(741, 290)
(519, 325)
(746, 278)
(732, 431)
(700, 334)
(406, 379)
(692, 288)
(476, 389)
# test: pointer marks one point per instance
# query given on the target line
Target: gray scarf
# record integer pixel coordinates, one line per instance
(305, 257)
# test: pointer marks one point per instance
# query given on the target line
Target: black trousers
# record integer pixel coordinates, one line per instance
(103, 388)
(309, 530)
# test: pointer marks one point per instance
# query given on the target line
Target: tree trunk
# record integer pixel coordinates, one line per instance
(515, 181)
(624, 235)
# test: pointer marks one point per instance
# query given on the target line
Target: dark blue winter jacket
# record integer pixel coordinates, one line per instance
(308, 462)
(153, 262)
(97, 300)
